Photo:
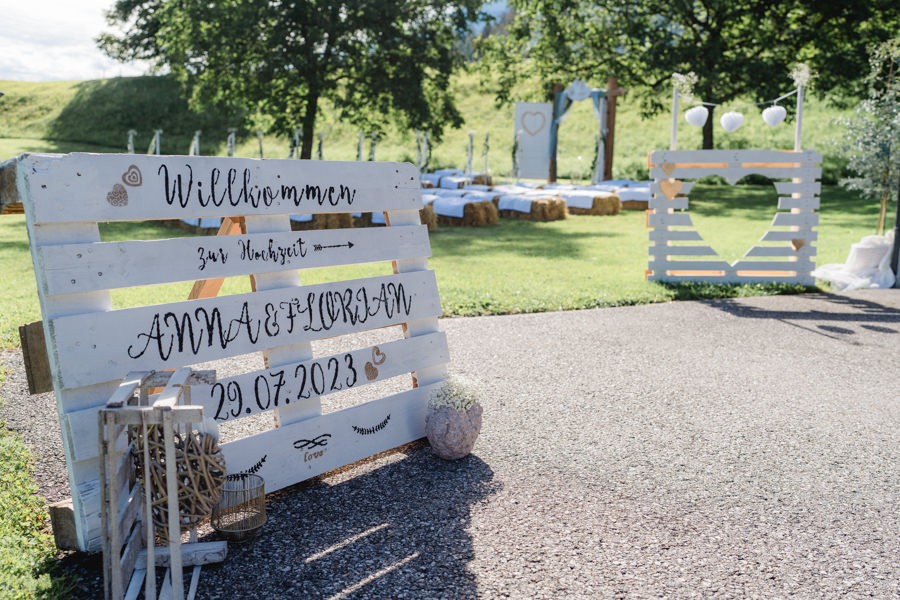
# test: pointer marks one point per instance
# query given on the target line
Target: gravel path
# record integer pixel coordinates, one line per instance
(728, 449)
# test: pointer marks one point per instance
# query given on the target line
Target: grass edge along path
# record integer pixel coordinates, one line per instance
(27, 551)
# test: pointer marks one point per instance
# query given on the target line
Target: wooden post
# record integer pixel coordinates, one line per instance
(554, 132)
(613, 91)
(673, 141)
(798, 128)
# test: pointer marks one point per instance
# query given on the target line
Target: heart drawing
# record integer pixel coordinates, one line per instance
(118, 196)
(132, 176)
(533, 122)
(378, 357)
(371, 371)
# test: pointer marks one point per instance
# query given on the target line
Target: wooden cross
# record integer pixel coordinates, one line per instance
(613, 91)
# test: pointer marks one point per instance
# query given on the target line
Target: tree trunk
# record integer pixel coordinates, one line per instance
(708, 129)
(308, 125)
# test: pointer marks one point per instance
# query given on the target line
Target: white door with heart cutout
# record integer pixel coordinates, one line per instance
(533, 121)
(785, 252)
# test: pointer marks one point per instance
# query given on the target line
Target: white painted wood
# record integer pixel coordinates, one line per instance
(783, 263)
(661, 219)
(104, 187)
(787, 236)
(802, 220)
(108, 265)
(801, 264)
(681, 251)
(423, 325)
(661, 203)
(736, 173)
(788, 251)
(798, 187)
(657, 191)
(734, 157)
(118, 341)
(680, 235)
(267, 389)
(64, 201)
(802, 202)
(291, 351)
(296, 452)
(193, 554)
(52, 306)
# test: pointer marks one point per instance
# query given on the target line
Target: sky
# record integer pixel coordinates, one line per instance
(46, 40)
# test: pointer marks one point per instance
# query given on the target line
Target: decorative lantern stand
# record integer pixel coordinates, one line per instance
(158, 477)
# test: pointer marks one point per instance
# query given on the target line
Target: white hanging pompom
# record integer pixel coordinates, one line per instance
(697, 116)
(731, 121)
(774, 115)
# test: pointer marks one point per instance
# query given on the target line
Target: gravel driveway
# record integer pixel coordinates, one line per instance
(729, 449)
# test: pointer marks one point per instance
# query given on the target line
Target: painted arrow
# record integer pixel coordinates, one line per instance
(320, 247)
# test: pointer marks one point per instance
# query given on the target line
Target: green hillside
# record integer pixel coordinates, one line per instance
(96, 115)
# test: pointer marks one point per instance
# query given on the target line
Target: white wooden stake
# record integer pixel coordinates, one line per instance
(673, 144)
(798, 129)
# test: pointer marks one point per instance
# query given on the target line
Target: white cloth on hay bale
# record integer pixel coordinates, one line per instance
(867, 266)
(471, 194)
(454, 182)
(450, 207)
(580, 198)
(633, 193)
(516, 202)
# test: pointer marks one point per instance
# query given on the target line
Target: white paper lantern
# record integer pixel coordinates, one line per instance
(731, 121)
(774, 115)
(697, 116)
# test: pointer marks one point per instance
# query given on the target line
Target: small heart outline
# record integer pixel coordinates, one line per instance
(132, 176)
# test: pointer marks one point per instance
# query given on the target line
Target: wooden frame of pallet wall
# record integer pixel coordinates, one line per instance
(785, 253)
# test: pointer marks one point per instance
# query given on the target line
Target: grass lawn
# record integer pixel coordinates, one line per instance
(517, 266)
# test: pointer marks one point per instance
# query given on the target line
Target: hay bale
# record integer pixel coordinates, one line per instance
(475, 214)
(550, 208)
(325, 221)
(10, 203)
(482, 179)
(427, 184)
(428, 217)
(601, 205)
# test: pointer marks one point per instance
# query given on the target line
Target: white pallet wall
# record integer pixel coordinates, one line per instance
(674, 246)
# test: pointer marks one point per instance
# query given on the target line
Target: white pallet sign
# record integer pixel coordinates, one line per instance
(91, 347)
(785, 253)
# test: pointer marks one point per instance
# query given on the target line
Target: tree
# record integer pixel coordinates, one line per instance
(873, 135)
(737, 48)
(373, 59)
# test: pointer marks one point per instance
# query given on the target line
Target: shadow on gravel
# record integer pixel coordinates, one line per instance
(400, 530)
(847, 309)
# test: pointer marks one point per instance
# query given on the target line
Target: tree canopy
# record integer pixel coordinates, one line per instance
(375, 60)
(737, 48)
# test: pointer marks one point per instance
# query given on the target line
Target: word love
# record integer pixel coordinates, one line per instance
(187, 331)
(233, 187)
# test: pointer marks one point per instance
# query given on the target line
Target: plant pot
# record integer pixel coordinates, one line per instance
(452, 434)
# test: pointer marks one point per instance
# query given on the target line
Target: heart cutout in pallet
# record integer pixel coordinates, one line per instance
(752, 206)
(797, 243)
(668, 168)
(670, 187)
(118, 196)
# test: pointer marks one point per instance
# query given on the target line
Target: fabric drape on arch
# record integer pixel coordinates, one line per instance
(562, 102)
